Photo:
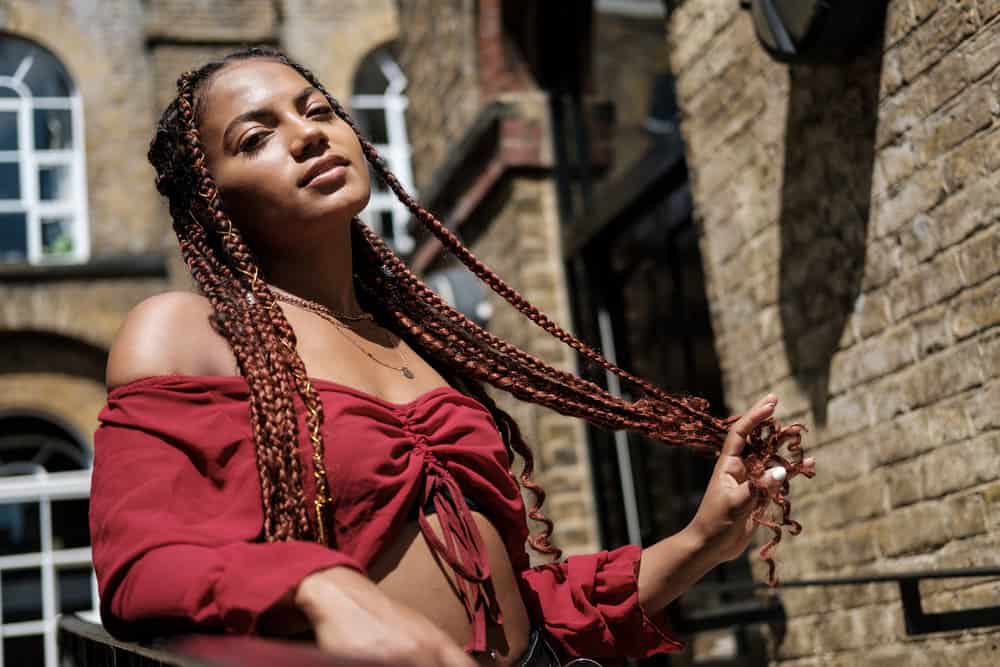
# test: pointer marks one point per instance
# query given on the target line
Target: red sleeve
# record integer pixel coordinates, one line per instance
(589, 605)
(176, 521)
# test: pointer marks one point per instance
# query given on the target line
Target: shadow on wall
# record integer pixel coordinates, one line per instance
(825, 202)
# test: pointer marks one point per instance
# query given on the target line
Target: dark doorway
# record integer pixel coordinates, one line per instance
(639, 296)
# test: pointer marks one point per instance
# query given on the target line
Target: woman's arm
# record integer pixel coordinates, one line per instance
(170, 543)
(176, 517)
(360, 625)
(671, 566)
(609, 604)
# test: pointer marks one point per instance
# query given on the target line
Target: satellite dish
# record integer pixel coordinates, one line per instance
(818, 31)
(464, 292)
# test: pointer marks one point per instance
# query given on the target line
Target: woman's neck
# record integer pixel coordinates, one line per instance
(320, 270)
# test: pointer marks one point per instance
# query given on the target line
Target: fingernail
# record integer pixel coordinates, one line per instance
(778, 473)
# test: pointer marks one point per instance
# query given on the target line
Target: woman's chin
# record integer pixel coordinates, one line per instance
(334, 217)
(341, 205)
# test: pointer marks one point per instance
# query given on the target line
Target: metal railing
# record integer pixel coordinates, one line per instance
(43, 488)
(916, 620)
(86, 644)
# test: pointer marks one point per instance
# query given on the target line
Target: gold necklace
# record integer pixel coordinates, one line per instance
(334, 318)
(288, 297)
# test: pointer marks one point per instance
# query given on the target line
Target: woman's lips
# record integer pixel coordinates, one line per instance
(335, 175)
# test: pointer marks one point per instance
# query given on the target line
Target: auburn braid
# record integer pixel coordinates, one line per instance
(466, 354)
(666, 426)
(224, 270)
(675, 419)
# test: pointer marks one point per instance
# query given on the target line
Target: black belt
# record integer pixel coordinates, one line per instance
(540, 654)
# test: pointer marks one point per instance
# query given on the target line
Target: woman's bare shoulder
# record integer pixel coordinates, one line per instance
(168, 334)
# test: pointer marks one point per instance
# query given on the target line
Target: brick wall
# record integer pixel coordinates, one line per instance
(438, 53)
(332, 38)
(852, 250)
(198, 20)
(627, 52)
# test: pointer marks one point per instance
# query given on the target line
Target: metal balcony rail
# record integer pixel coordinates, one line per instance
(86, 644)
(917, 621)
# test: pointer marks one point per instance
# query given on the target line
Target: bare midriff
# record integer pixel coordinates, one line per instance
(409, 573)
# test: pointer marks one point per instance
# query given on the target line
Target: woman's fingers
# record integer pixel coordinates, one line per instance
(734, 466)
(456, 657)
(808, 467)
(737, 437)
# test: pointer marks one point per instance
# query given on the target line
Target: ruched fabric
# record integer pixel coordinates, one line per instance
(177, 518)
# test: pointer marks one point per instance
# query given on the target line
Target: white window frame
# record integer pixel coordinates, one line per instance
(30, 159)
(43, 488)
(393, 103)
(646, 9)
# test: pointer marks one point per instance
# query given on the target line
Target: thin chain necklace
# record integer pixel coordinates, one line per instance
(287, 297)
(334, 318)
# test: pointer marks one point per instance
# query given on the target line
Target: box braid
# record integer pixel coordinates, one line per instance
(466, 354)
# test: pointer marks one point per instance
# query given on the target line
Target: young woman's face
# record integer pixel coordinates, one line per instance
(286, 165)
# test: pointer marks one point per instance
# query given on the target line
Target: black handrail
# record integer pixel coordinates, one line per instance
(86, 644)
(916, 620)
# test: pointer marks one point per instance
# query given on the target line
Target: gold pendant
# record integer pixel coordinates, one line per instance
(408, 373)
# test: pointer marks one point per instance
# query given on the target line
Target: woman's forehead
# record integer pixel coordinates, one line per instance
(244, 86)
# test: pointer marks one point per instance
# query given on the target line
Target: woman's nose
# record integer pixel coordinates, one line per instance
(308, 135)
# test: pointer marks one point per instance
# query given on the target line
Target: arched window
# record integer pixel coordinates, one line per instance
(379, 106)
(43, 212)
(45, 566)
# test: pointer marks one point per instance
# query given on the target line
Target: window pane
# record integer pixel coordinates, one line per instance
(10, 180)
(74, 588)
(54, 183)
(8, 92)
(53, 129)
(69, 524)
(57, 236)
(22, 595)
(377, 184)
(19, 528)
(13, 237)
(386, 230)
(8, 130)
(47, 77)
(372, 124)
(27, 650)
(369, 78)
(41, 71)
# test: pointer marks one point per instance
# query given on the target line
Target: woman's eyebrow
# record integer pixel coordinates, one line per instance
(261, 114)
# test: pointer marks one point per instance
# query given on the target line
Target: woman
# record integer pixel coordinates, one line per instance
(392, 531)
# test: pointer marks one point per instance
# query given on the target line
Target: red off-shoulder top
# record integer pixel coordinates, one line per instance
(176, 516)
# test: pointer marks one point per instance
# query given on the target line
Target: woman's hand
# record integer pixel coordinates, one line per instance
(356, 622)
(722, 527)
(723, 523)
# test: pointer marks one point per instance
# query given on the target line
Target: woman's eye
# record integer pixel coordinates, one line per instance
(251, 143)
(320, 111)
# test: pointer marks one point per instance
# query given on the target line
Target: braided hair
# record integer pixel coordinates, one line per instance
(467, 355)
